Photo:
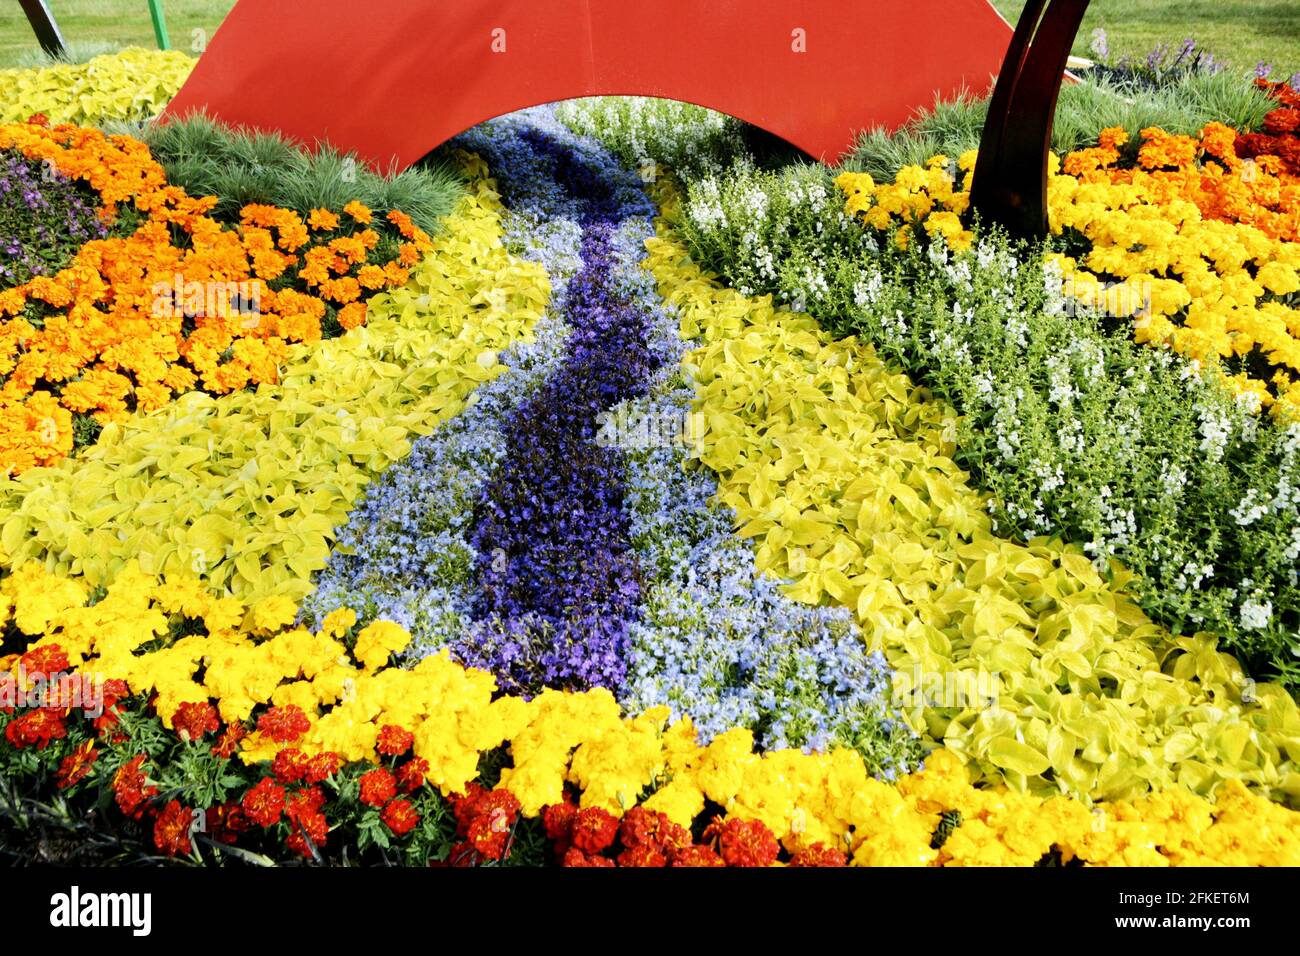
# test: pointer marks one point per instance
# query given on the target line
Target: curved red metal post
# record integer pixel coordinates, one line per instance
(392, 79)
(1010, 185)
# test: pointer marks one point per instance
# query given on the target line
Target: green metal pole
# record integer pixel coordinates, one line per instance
(159, 24)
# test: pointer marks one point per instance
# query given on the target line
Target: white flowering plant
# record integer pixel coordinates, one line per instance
(1132, 452)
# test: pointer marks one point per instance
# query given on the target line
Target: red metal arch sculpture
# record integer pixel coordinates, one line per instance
(392, 79)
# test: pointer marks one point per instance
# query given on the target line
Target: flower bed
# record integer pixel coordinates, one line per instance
(136, 318)
(568, 553)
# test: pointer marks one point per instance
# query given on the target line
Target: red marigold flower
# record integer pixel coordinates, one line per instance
(747, 843)
(378, 786)
(228, 742)
(464, 806)
(131, 789)
(264, 802)
(39, 119)
(38, 727)
(819, 854)
(76, 765)
(8, 693)
(575, 857)
(410, 775)
(400, 816)
(284, 724)
(642, 856)
(495, 813)
(290, 765)
(498, 802)
(1282, 121)
(310, 827)
(44, 660)
(647, 828)
(308, 823)
(226, 821)
(463, 855)
(171, 831)
(557, 821)
(116, 688)
(594, 829)
(322, 766)
(394, 741)
(304, 801)
(112, 692)
(487, 836)
(194, 719)
(697, 854)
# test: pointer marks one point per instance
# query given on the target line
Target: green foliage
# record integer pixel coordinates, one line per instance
(241, 167)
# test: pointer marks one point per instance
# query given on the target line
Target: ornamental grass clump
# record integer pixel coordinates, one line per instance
(240, 167)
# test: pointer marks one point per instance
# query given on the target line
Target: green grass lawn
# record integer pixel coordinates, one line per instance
(1242, 32)
(97, 26)
(1239, 32)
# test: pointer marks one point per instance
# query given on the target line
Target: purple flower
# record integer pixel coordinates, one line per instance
(556, 579)
(44, 219)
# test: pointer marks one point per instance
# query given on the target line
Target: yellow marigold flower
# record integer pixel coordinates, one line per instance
(377, 642)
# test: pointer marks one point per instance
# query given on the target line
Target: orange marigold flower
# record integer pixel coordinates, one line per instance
(342, 291)
(353, 315)
(322, 220)
(359, 212)
(372, 277)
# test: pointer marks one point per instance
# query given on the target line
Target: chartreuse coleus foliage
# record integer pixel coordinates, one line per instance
(246, 489)
(840, 470)
(132, 84)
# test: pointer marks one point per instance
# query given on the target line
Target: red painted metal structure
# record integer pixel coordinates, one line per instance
(392, 79)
